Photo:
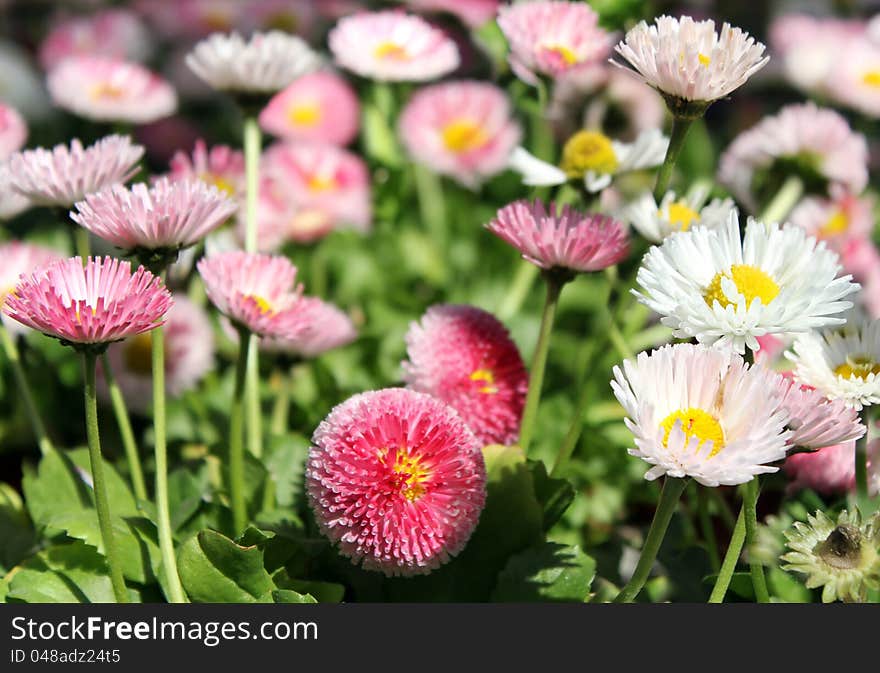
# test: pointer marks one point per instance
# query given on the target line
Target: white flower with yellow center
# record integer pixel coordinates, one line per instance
(843, 364)
(675, 213)
(714, 286)
(593, 157)
(854, 79)
(704, 413)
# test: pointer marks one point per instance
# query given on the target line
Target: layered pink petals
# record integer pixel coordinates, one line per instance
(815, 420)
(114, 33)
(220, 166)
(13, 131)
(17, 258)
(325, 327)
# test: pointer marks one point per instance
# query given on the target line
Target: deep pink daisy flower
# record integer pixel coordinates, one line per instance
(98, 303)
(397, 480)
(325, 327)
(817, 421)
(561, 238)
(465, 357)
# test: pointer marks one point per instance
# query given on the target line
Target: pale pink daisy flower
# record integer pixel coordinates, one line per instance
(13, 131)
(462, 129)
(838, 220)
(474, 13)
(12, 203)
(392, 46)
(98, 303)
(561, 238)
(326, 327)
(17, 258)
(397, 480)
(854, 80)
(465, 357)
(65, 174)
(832, 469)
(320, 107)
(552, 38)
(110, 90)
(819, 140)
(221, 166)
(116, 33)
(815, 420)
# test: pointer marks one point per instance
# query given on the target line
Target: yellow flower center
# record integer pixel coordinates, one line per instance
(411, 474)
(563, 52)
(391, 51)
(305, 114)
(588, 151)
(463, 135)
(485, 376)
(219, 182)
(263, 304)
(872, 78)
(695, 423)
(680, 215)
(138, 354)
(857, 366)
(750, 281)
(106, 90)
(836, 224)
(704, 60)
(322, 183)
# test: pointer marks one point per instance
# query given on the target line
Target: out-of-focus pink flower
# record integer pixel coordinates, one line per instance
(17, 258)
(162, 139)
(771, 347)
(221, 166)
(837, 220)
(107, 89)
(13, 131)
(12, 203)
(474, 13)
(860, 257)
(461, 129)
(325, 327)
(870, 294)
(115, 33)
(815, 420)
(854, 80)
(397, 480)
(832, 469)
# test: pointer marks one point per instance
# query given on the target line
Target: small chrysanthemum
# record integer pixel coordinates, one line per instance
(256, 292)
(266, 63)
(463, 129)
(110, 90)
(702, 412)
(325, 327)
(561, 238)
(64, 175)
(675, 213)
(13, 131)
(715, 286)
(17, 258)
(686, 60)
(318, 107)
(397, 480)
(552, 38)
(465, 357)
(98, 303)
(114, 33)
(842, 364)
(815, 420)
(842, 557)
(392, 46)
(221, 166)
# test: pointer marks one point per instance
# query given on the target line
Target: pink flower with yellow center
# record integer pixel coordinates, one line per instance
(392, 46)
(115, 33)
(17, 258)
(221, 166)
(110, 90)
(561, 238)
(552, 38)
(465, 357)
(98, 303)
(325, 327)
(837, 220)
(319, 107)
(474, 13)
(13, 131)
(463, 129)
(397, 480)
(854, 78)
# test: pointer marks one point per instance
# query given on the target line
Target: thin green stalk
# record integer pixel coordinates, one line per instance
(539, 362)
(281, 409)
(236, 436)
(252, 400)
(81, 241)
(724, 509)
(734, 549)
(102, 503)
(24, 389)
(669, 496)
(571, 438)
(862, 497)
(707, 529)
(125, 432)
(432, 205)
(750, 502)
(166, 539)
(252, 141)
(680, 126)
(518, 290)
(784, 200)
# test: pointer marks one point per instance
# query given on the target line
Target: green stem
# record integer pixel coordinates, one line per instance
(574, 432)
(253, 401)
(166, 539)
(861, 456)
(669, 496)
(517, 291)
(252, 143)
(125, 432)
(680, 126)
(784, 200)
(539, 362)
(432, 206)
(281, 409)
(81, 241)
(707, 529)
(750, 502)
(24, 389)
(318, 270)
(236, 436)
(102, 503)
(730, 560)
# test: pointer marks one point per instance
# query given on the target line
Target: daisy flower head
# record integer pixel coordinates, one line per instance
(675, 213)
(397, 480)
(713, 285)
(854, 80)
(326, 327)
(561, 239)
(392, 46)
(13, 131)
(91, 305)
(465, 357)
(839, 219)
(690, 63)
(114, 33)
(65, 174)
(110, 90)
(464, 129)
(815, 420)
(17, 258)
(831, 469)
(552, 38)
(474, 13)
(12, 202)
(221, 166)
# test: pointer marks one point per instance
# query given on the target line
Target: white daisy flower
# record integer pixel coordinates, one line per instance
(715, 286)
(675, 213)
(687, 60)
(703, 413)
(844, 364)
(593, 157)
(266, 63)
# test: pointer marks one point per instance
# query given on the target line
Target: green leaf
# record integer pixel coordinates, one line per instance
(380, 143)
(288, 596)
(551, 572)
(285, 464)
(554, 495)
(69, 573)
(16, 532)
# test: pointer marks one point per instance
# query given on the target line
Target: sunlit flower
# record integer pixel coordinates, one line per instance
(839, 220)
(462, 129)
(115, 33)
(13, 131)
(325, 327)
(17, 258)
(815, 420)
(474, 13)
(675, 213)
(465, 357)
(392, 46)
(854, 79)
(397, 480)
(221, 166)
(702, 412)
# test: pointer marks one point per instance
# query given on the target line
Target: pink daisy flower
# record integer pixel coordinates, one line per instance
(256, 292)
(100, 302)
(552, 38)
(461, 129)
(319, 107)
(832, 469)
(474, 13)
(561, 238)
(815, 420)
(13, 131)
(392, 46)
(114, 33)
(854, 79)
(837, 220)
(397, 480)
(325, 327)
(221, 166)
(110, 90)
(12, 203)
(465, 357)
(859, 256)
(17, 258)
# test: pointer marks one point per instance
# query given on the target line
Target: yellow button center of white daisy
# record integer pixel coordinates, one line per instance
(486, 377)
(137, 354)
(565, 54)
(858, 367)
(750, 281)
(695, 423)
(463, 135)
(872, 78)
(704, 60)
(588, 151)
(836, 224)
(680, 215)
(390, 51)
(304, 114)
(411, 475)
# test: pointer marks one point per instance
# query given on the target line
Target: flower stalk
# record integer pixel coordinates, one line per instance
(236, 438)
(129, 444)
(24, 389)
